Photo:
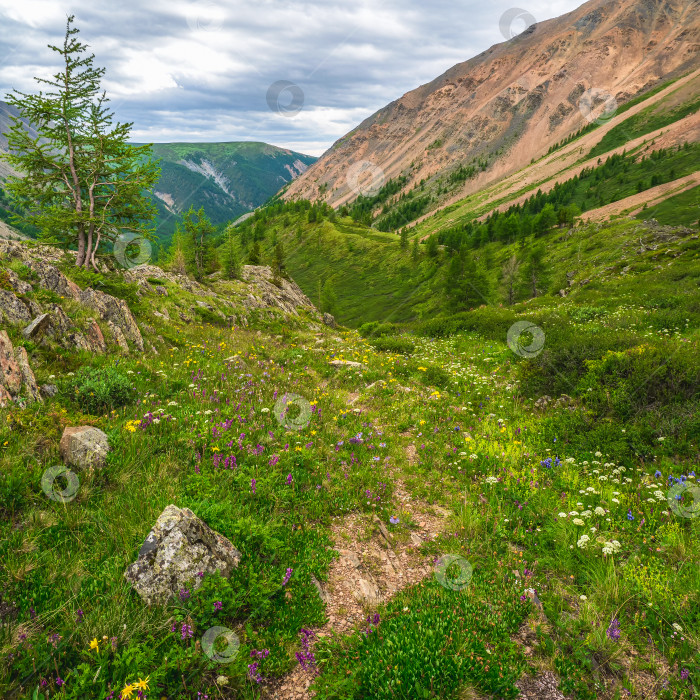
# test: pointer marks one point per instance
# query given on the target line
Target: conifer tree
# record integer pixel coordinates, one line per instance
(81, 182)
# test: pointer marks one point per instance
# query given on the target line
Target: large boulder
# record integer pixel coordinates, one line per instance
(84, 447)
(178, 550)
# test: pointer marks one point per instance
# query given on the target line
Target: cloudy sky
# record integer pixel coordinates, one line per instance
(295, 73)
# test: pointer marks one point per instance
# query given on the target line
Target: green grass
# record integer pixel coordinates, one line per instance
(679, 210)
(482, 452)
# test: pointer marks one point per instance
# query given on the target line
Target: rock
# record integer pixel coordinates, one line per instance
(177, 549)
(11, 374)
(532, 595)
(5, 397)
(349, 558)
(48, 390)
(204, 305)
(346, 363)
(161, 290)
(114, 311)
(76, 341)
(60, 323)
(37, 327)
(118, 336)
(96, 339)
(84, 447)
(27, 375)
(328, 320)
(368, 592)
(19, 286)
(13, 309)
(53, 279)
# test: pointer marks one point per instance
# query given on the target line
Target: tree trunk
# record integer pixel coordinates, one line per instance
(94, 250)
(88, 249)
(80, 257)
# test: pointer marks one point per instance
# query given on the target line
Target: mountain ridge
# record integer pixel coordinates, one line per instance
(509, 104)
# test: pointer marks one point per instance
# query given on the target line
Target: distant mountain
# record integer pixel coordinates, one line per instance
(227, 179)
(492, 115)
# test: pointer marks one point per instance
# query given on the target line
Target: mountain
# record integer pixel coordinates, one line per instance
(227, 179)
(493, 114)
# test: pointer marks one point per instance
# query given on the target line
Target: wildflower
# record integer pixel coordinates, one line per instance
(578, 522)
(599, 511)
(185, 631)
(394, 520)
(127, 691)
(290, 479)
(253, 482)
(184, 594)
(677, 627)
(562, 515)
(94, 644)
(218, 605)
(287, 576)
(613, 631)
(583, 597)
(629, 515)
(583, 542)
(142, 684)
(685, 673)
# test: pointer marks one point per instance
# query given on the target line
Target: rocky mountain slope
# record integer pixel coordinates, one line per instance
(507, 106)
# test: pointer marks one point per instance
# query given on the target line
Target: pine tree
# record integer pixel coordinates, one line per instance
(404, 239)
(197, 232)
(278, 267)
(509, 277)
(328, 297)
(82, 181)
(232, 265)
(414, 251)
(254, 254)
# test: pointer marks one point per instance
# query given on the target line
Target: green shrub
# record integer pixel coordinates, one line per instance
(401, 346)
(97, 390)
(375, 329)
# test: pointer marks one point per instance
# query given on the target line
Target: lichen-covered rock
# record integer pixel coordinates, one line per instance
(27, 375)
(328, 320)
(96, 339)
(54, 280)
(13, 309)
(178, 548)
(37, 327)
(11, 373)
(114, 311)
(118, 336)
(84, 447)
(48, 390)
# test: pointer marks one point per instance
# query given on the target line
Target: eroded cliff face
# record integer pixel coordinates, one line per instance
(512, 102)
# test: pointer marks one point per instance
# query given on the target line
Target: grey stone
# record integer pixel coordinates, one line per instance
(161, 290)
(346, 363)
(13, 309)
(177, 549)
(37, 327)
(84, 447)
(48, 390)
(328, 320)
(27, 375)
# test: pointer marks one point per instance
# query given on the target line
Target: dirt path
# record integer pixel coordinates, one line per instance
(373, 565)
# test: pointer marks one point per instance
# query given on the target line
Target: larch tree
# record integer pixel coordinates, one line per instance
(80, 181)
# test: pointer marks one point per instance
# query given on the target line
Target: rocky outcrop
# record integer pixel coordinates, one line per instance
(27, 375)
(288, 297)
(116, 312)
(177, 552)
(54, 280)
(96, 339)
(11, 373)
(84, 447)
(13, 309)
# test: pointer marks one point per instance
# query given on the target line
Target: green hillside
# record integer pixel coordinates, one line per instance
(227, 179)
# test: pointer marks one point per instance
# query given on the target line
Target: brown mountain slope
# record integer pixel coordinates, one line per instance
(512, 102)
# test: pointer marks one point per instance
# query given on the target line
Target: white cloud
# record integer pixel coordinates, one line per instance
(201, 70)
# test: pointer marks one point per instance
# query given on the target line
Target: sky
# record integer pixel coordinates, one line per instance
(294, 73)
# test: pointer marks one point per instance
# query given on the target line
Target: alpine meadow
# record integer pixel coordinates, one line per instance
(406, 406)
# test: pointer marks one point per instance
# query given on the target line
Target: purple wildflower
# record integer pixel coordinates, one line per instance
(613, 631)
(287, 576)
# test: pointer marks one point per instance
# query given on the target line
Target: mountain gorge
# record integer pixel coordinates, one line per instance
(492, 115)
(228, 179)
